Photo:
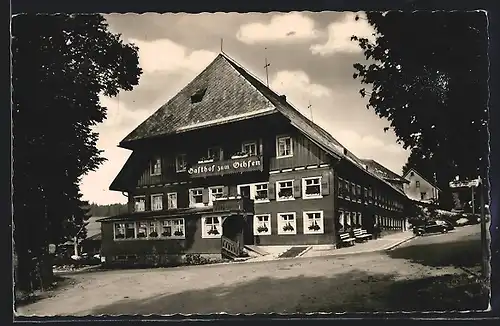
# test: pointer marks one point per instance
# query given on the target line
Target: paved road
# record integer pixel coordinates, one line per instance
(363, 282)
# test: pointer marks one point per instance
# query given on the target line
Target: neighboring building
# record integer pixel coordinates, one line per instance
(384, 173)
(419, 189)
(226, 163)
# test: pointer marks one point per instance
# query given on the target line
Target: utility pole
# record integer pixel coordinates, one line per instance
(310, 110)
(267, 71)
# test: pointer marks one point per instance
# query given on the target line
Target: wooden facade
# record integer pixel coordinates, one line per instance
(269, 179)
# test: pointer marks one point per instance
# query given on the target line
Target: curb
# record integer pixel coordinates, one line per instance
(398, 244)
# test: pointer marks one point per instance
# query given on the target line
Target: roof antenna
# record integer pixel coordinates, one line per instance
(267, 71)
(221, 43)
(311, 111)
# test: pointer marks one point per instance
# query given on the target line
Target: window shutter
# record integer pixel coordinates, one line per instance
(325, 183)
(296, 188)
(271, 190)
(225, 191)
(205, 195)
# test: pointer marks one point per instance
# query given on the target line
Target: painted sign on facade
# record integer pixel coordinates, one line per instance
(226, 167)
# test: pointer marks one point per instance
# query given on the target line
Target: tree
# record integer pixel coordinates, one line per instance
(427, 74)
(61, 65)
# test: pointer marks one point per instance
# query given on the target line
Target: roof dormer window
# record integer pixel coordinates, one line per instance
(198, 95)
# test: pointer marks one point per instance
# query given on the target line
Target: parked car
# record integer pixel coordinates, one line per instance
(430, 227)
(447, 224)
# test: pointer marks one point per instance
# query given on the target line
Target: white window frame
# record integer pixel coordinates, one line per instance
(321, 222)
(168, 200)
(255, 185)
(304, 188)
(266, 222)
(210, 199)
(124, 224)
(163, 223)
(205, 228)
(135, 206)
(278, 188)
(215, 148)
(152, 202)
(150, 229)
(247, 143)
(146, 230)
(177, 165)
(278, 138)
(281, 224)
(238, 190)
(191, 202)
(152, 165)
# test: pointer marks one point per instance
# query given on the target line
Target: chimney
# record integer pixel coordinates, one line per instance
(345, 151)
(283, 97)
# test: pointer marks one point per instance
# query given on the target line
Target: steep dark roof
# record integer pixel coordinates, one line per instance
(225, 96)
(382, 171)
(230, 93)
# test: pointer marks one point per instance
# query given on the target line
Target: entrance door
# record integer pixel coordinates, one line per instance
(245, 191)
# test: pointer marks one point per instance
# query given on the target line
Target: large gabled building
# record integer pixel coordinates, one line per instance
(227, 162)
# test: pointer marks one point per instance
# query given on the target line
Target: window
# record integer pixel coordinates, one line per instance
(417, 184)
(412, 174)
(156, 166)
(422, 195)
(287, 223)
(358, 193)
(313, 222)
(211, 227)
(119, 231)
(261, 193)
(139, 203)
(129, 230)
(196, 197)
(262, 224)
(284, 190)
(353, 191)
(157, 202)
(249, 148)
(245, 191)
(142, 230)
(173, 229)
(215, 153)
(180, 163)
(153, 230)
(216, 192)
(311, 187)
(172, 200)
(284, 147)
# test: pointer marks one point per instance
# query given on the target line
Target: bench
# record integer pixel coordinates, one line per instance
(361, 235)
(345, 239)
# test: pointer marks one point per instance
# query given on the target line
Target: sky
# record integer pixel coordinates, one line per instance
(311, 60)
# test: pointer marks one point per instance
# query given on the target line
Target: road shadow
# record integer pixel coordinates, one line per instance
(356, 291)
(465, 253)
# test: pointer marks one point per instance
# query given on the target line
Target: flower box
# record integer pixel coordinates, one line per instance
(314, 227)
(120, 236)
(178, 233)
(202, 161)
(141, 235)
(213, 232)
(288, 228)
(262, 229)
(153, 234)
(239, 155)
